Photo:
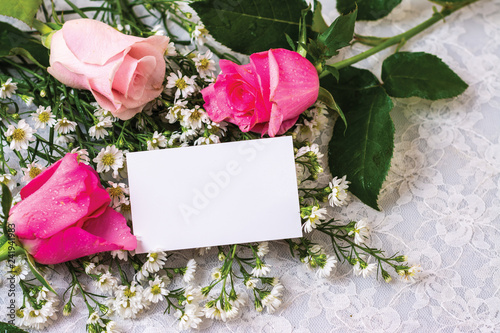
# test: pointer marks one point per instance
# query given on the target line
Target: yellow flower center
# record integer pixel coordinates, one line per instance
(181, 84)
(155, 290)
(34, 171)
(44, 117)
(125, 208)
(195, 115)
(16, 270)
(115, 191)
(204, 63)
(18, 134)
(108, 159)
(203, 31)
(128, 293)
(153, 256)
(20, 313)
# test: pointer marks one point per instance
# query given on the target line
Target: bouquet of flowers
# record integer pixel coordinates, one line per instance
(76, 95)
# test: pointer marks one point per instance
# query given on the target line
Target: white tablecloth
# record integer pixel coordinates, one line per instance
(440, 206)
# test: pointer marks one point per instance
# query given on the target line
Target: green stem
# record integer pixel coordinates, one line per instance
(42, 27)
(401, 38)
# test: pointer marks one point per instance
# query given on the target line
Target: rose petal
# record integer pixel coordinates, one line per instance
(94, 42)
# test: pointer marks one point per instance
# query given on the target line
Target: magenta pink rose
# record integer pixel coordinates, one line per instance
(123, 72)
(265, 96)
(64, 214)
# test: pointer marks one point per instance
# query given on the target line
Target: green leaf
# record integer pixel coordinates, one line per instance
(327, 98)
(369, 10)
(407, 74)
(15, 42)
(6, 201)
(253, 26)
(362, 151)
(36, 272)
(318, 22)
(448, 2)
(24, 10)
(340, 33)
(8, 328)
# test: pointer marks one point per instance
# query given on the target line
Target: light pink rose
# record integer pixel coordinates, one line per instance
(265, 96)
(64, 214)
(123, 72)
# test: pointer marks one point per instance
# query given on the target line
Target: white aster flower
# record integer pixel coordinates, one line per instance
(65, 126)
(203, 140)
(339, 187)
(117, 192)
(314, 219)
(155, 262)
(193, 118)
(325, 268)
(193, 296)
(263, 249)
(44, 117)
(251, 283)
(204, 64)
(8, 88)
(184, 85)
(312, 128)
(121, 254)
(171, 51)
(27, 99)
(175, 111)
(129, 300)
(158, 141)
(156, 290)
(200, 34)
(216, 274)
(125, 209)
(190, 318)
(99, 131)
(111, 327)
(215, 310)
(190, 270)
(38, 318)
(95, 319)
(31, 171)
(19, 270)
(107, 283)
(83, 155)
(8, 180)
(20, 135)
(109, 158)
(271, 301)
(101, 113)
(364, 268)
(158, 30)
(65, 139)
(314, 149)
(260, 269)
(410, 275)
(361, 233)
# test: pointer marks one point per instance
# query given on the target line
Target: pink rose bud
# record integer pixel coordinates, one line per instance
(265, 96)
(123, 72)
(64, 214)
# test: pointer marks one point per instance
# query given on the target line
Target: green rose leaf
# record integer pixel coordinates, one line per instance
(340, 33)
(363, 150)
(407, 74)
(24, 10)
(6, 204)
(15, 42)
(8, 328)
(318, 22)
(36, 272)
(253, 26)
(369, 10)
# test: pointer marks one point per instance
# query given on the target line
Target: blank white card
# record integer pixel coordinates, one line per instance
(228, 193)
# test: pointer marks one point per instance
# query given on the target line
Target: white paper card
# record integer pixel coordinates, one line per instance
(228, 193)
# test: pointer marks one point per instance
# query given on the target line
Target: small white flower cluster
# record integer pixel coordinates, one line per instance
(314, 218)
(31, 171)
(8, 180)
(110, 158)
(360, 232)
(271, 301)
(41, 314)
(20, 135)
(364, 267)
(7, 88)
(339, 195)
(316, 121)
(411, 274)
(19, 269)
(190, 316)
(318, 259)
(200, 34)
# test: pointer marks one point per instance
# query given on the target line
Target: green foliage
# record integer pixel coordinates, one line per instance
(448, 2)
(8, 328)
(326, 97)
(340, 33)
(362, 151)
(249, 27)
(318, 22)
(15, 42)
(407, 74)
(24, 10)
(369, 10)
(6, 204)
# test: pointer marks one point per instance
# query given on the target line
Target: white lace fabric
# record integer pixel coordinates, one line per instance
(440, 206)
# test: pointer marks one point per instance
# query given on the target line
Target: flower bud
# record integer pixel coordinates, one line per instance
(67, 309)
